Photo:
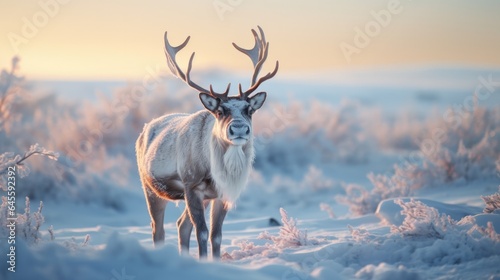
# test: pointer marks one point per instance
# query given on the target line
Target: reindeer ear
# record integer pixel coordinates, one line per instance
(210, 102)
(257, 100)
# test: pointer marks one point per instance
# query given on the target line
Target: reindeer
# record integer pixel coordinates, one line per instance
(201, 157)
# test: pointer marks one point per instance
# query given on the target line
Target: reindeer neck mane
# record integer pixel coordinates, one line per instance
(230, 167)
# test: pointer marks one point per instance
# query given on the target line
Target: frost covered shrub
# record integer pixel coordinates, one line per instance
(246, 249)
(465, 150)
(362, 201)
(465, 153)
(27, 224)
(359, 235)
(492, 202)
(74, 245)
(422, 221)
(489, 231)
(468, 164)
(426, 222)
(289, 235)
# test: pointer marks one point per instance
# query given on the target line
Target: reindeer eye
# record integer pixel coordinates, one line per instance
(221, 111)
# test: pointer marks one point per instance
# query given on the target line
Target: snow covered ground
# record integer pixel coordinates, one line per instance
(371, 181)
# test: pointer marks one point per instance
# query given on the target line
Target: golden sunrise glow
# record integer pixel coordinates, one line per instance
(93, 39)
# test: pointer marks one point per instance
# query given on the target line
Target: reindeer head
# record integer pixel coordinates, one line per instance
(233, 114)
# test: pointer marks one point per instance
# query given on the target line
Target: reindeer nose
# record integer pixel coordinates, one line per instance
(239, 129)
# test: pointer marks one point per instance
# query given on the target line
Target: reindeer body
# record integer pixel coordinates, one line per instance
(201, 157)
(168, 165)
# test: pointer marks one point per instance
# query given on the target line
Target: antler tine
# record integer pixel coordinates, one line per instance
(170, 52)
(268, 76)
(188, 77)
(264, 46)
(262, 36)
(223, 95)
(253, 53)
(258, 55)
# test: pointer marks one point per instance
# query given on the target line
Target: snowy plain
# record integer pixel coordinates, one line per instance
(361, 175)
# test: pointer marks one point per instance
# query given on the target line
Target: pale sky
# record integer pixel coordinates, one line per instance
(98, 39)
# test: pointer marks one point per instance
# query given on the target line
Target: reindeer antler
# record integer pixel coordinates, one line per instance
(258, 55)
(170, 52)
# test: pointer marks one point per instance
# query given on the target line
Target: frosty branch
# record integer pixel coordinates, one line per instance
(9, 159)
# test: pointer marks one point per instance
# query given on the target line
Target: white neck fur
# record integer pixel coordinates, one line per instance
(230, 169)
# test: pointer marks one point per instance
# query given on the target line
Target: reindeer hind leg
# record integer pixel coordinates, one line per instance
(156, 207)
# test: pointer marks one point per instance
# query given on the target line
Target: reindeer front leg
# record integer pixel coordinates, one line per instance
(217, 215)
(196, 210)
